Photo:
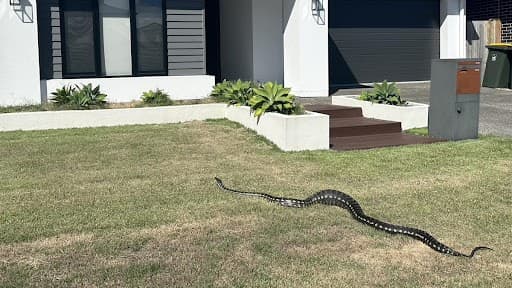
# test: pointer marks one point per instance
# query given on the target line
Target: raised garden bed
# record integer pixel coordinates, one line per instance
(412, 115)
(109, 117)
(289, 132)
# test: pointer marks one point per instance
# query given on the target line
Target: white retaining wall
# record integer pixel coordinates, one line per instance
(126, 89)
(290, 133)
(413, 115)
(109, 117)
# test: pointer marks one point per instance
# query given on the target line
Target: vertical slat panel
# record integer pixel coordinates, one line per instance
(186, 36)
(56, 42)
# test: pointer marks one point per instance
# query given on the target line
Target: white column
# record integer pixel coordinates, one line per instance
(306, 48)
(453, 29)
(19, 54)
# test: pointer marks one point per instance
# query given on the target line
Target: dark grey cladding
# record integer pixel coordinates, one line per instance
(50, 45)
(186, 48)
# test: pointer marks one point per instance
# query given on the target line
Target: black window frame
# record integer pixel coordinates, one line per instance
(97, 45)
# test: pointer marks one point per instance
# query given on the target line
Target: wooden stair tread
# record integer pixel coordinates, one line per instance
(326, 107)
(344, 127)
(378, 141)
(349, 130)
(336, 111)
(358, 121)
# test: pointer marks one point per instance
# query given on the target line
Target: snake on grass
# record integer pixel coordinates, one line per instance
(345, 201)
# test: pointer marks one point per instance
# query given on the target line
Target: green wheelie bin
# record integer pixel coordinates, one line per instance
(498, 70)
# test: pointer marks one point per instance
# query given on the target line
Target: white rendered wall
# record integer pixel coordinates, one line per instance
(126, 89)
(19, 54)
(453, 29)
(306, 49)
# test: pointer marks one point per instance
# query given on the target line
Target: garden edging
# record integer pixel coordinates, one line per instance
(289, 132)
(413, 115)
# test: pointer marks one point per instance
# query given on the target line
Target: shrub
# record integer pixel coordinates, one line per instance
(234, 93)
(273, 97)
(239, 93)
(84, 97)
(219, 91)
(61, 96)
(157, 97)
(384, 93)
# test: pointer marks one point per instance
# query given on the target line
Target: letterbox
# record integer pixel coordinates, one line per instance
(455, 99)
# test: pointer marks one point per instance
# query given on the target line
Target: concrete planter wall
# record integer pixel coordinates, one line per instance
(413, 115)
(109, 117)
(288, 132)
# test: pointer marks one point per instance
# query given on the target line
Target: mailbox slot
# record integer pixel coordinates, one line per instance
(468, 78)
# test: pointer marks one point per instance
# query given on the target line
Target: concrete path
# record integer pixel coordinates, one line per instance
(495, 106)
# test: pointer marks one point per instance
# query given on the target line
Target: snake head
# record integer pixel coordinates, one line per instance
(218, 181)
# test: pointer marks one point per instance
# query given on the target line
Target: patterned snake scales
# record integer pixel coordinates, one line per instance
(342, 200)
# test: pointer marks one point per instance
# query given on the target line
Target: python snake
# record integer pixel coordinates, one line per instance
(342, 200)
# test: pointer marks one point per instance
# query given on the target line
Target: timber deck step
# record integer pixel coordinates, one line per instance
(345, 127)
(377, 141)
(336, 111)
(349, 130)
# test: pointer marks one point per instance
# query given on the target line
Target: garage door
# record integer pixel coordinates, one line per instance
(375, 40)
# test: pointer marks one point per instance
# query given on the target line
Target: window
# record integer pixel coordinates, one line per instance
(150, 41)
(116, 51)
(79, 30)
(113, 38)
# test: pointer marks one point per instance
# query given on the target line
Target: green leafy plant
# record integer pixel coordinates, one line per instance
(61, 96)
(383, 93)
(219, 91)
(157, 97)
(85, 97)
(239, 93)
(273, 97)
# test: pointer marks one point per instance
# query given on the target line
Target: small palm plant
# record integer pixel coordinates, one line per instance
(383, 93)
(273, 97)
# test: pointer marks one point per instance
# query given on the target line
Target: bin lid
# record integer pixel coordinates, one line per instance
(500, 46)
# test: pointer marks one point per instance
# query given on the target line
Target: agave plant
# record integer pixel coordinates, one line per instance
(384, 93)
(62, 96)
(273, 97)
(87, 96)
(157, 97)
(239, 93)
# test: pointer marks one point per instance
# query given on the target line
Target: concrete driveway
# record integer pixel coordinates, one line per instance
(495, 106)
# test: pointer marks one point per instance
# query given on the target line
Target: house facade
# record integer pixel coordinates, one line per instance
(184, 46)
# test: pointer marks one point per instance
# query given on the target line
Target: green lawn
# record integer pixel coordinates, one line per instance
(137, 207)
